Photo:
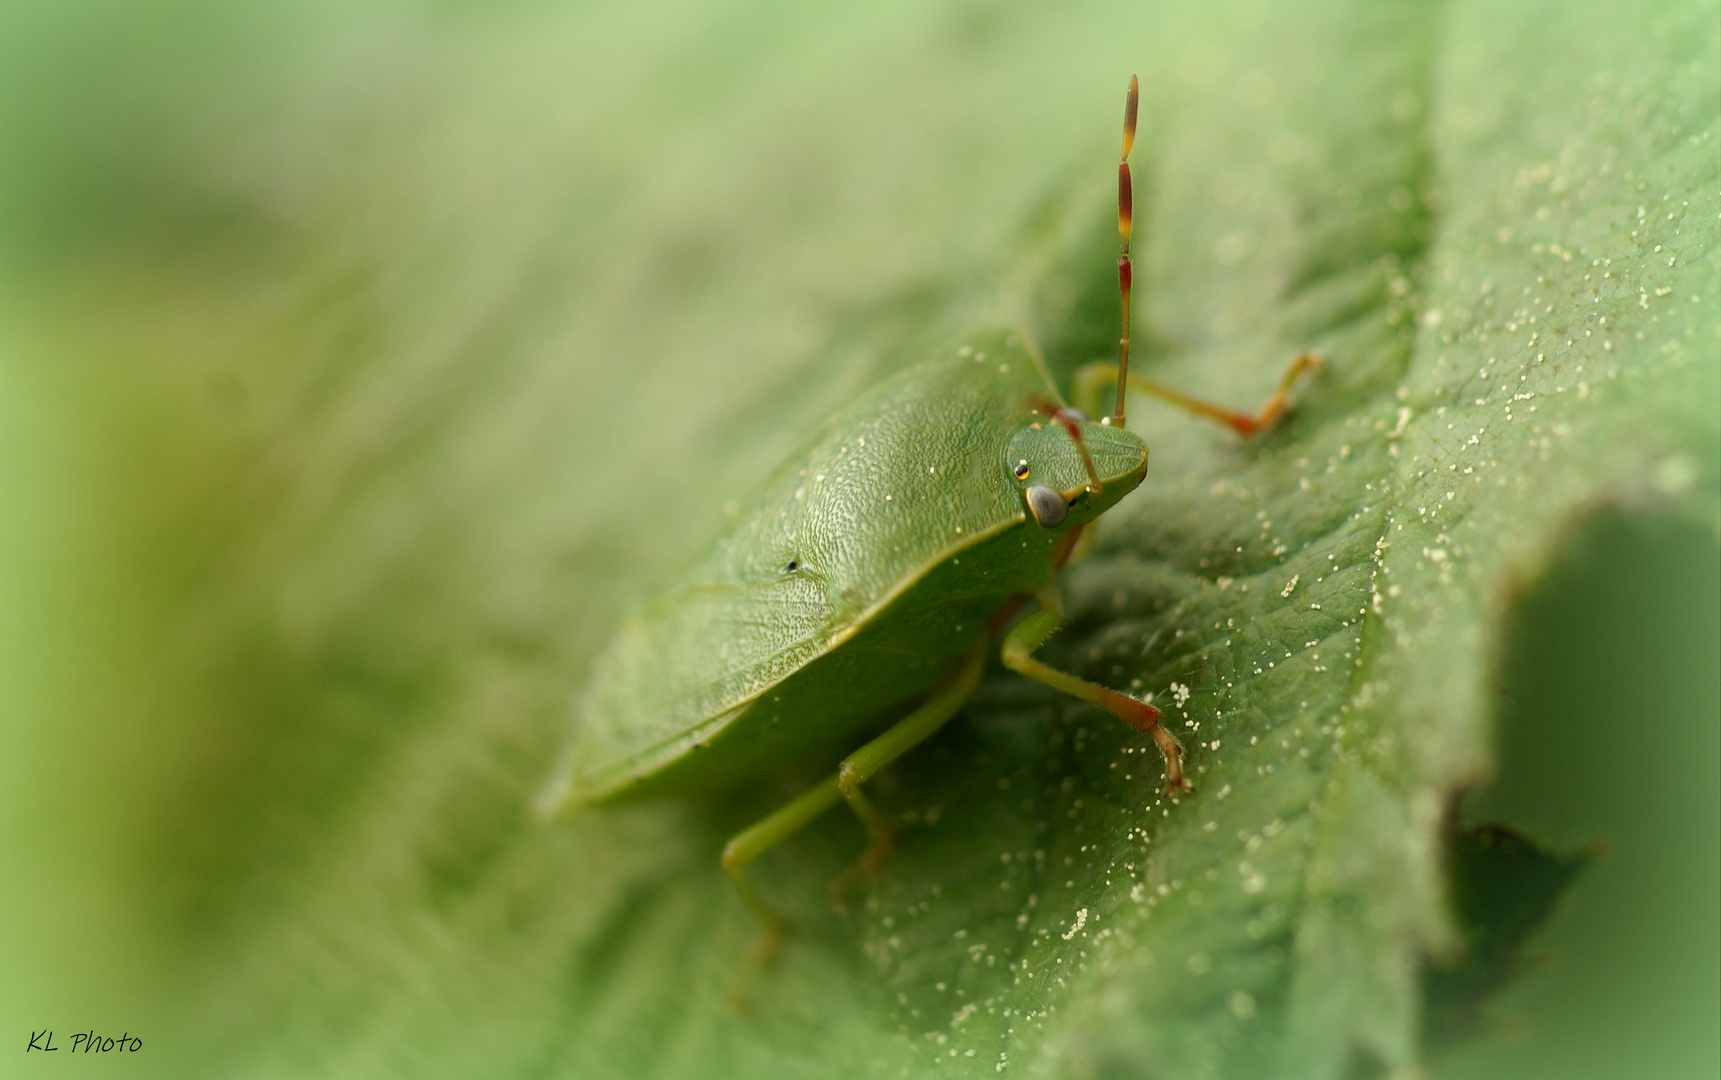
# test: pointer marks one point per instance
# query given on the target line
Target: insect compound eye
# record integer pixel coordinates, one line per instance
(1021, 470)
(1047, 506)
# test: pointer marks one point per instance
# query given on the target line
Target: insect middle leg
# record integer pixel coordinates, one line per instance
(855, 770)
(1095, 377)
(1018, 655)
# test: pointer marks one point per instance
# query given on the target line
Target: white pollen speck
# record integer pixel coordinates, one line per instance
(1076, 927)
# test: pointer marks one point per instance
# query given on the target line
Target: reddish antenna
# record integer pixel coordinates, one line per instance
(1125, 210)
(1070, 420)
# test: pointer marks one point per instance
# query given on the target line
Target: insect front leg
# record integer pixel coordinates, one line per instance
(1018, 655)
(1096, 377)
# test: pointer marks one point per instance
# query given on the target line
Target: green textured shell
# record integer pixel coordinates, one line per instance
(904, 480)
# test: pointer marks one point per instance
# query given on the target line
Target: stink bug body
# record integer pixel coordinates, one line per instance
(868, 577)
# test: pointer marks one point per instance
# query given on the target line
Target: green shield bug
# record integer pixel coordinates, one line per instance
(869, 576)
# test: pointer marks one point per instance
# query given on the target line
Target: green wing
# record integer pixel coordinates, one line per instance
(675, 676)
(908, 475)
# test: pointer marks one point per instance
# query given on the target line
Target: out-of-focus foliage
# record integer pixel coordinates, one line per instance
(359, 364)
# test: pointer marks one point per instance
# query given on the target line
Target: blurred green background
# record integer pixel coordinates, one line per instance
(360, 363)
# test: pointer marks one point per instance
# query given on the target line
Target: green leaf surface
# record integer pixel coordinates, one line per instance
(363, 364)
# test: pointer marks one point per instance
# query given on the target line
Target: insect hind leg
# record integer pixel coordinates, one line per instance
(758, 838)
(865, 763)
(879, 826)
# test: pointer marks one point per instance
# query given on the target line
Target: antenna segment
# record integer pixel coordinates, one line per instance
(1125, 210)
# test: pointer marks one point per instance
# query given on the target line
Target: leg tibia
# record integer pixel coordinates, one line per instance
(879, 825)
(860, 766)
(882, 831)
(1017, 654)
(1096, 377)
(865, 763)
(760, 837)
